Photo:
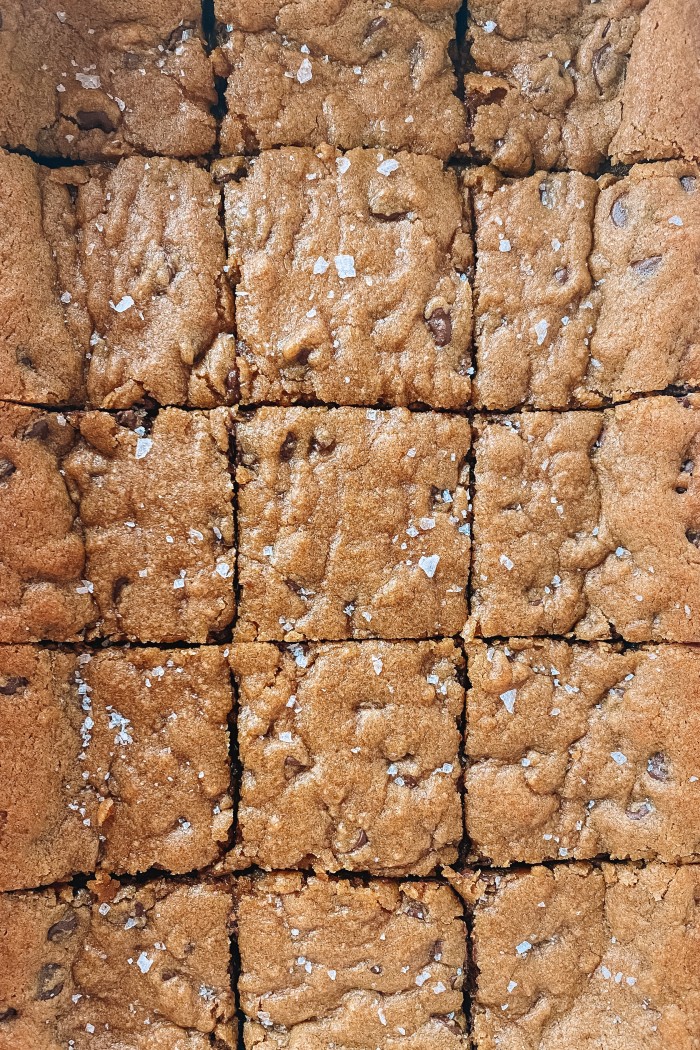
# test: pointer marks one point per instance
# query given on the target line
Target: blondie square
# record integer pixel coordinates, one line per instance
(353, 523)
(586, 291)
(582, 750)
(574, 956)
(349, 963)
(114, 289)
(349, 755)
(351, 277)
(117, 759)
(113, 77)
(354, 73)
(570, 84)
(589, 523)
(112, 531)
(144, 967)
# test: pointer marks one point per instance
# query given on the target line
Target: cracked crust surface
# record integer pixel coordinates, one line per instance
(587, 958)
(42, 545)
(41, 359)
(345, 963)
(118, 271)
(581, 750)
(352, 73)
(43, 837)
(349, 755)
(585, 291)
(351, 278)
(139, 967)
(589, 522)
(112, 531)
(119, 77)
(117, 759)
(352, 523)
(569, 85)
(661, 100)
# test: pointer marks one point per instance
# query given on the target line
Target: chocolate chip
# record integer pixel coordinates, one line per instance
(561, 276)
(409, 781)
(440, 324)
(546, 194)
(607, 66)
(7, 469)
(375, 25)
(647, 267)
(233, 385)
(360, 841)
(376, 969)
(688, 182)
(95, 120)
(50, 981)
(436, 951)
(618, 212)
(416, 55)
(38, 429)
(7, 1013)
(168, 975)
(13, 685)
(292, 767)
(657, 766)
(693, 537)
(63, 928)
(416, 910)
(639, 810)
(288, 446)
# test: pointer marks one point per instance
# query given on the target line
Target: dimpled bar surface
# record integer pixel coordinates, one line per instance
(114, 77)
(575, 956)
(573, 83)
(351, 72)
(350, 963)
(582, 750)
(352, 522)
(351, 275)
(117, 759)
(114, 292)
(349, 755)
(115, 530)
(586, 291)
(144, 967)
(589, 523)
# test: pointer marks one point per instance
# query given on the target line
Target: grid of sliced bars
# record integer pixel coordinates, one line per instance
(350, 546)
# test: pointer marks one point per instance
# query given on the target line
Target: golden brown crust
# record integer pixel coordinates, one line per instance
(116, 293)
(569, 85)
(338, 962)
(349, 756)
(586, 291)
(139, 967)
(586, 522)
(576, 751)
(352, 73)
(117, 77)
(115, 760)
(351, 279)
(575, 956)
(352, 523)
(115, 531)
